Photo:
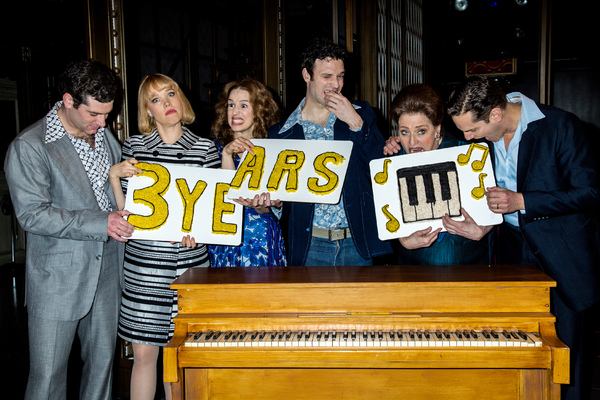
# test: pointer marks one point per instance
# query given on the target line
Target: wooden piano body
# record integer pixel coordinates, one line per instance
(378, 298)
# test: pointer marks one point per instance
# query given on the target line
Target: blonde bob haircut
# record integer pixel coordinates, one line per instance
(155, 83)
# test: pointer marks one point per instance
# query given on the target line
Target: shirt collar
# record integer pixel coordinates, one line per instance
(296, 117)
(186, 141)
(530, 112)
(55, 129)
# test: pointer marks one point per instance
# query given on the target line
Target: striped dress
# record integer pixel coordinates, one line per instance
(148, 305)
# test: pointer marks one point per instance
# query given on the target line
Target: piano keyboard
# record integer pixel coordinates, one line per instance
(391, 338)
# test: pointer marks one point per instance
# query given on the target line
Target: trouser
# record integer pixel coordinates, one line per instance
(334, 252)
(50, 343)
(573, 328)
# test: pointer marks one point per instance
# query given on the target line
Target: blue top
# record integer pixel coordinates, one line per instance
(448, 249)
(262, 242)
(326, 216)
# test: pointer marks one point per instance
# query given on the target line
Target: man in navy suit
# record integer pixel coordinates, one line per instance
(343, 233)
(548, 191)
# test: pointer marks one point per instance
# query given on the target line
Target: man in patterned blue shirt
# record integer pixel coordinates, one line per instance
(343, 233)
(57, 173)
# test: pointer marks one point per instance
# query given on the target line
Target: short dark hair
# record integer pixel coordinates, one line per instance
(89, 78)
(418, 98)
(321, 49)
(478, 95)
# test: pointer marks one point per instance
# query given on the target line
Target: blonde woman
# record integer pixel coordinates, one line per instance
(148, 304)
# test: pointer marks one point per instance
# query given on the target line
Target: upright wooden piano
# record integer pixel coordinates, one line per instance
(426, 332)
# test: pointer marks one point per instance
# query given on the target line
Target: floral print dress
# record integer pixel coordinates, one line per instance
(262, 242)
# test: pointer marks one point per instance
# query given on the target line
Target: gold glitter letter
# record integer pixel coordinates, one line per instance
(321, 169)
(290, 162)
(152, 197)
(221, 207)
(189, 201)
(253, 165)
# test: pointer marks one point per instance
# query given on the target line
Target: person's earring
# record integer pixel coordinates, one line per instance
(150, 116)
(437, 138)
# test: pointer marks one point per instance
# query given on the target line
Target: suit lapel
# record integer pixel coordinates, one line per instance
(114, 153)
(66, 158)
(526, 149)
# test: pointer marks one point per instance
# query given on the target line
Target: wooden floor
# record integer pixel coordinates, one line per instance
(14, 350)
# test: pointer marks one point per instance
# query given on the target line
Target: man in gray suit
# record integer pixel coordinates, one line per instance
(57, 172)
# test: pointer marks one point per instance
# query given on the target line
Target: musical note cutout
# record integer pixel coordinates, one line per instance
(382, 177)
(393, 224)
(477, 165)
(478, 192)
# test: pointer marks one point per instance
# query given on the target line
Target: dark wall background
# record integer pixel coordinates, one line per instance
(490, 30)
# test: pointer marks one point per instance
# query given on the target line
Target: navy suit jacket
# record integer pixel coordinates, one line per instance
(357, 191)
(558, 178)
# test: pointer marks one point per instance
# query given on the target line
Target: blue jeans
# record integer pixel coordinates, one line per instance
(335, 253)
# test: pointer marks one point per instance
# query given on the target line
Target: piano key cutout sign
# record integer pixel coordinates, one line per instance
(414, 191)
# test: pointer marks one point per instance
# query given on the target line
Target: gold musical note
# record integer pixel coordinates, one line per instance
(392, 225)
(382, 177)
(477, 165)
(479, 191)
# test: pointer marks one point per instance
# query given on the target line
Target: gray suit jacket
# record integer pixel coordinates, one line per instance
(67, 238)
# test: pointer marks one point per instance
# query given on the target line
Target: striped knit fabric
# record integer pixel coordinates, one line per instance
(148, 304)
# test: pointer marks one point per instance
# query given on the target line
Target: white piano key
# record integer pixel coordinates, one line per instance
(534, 339)
(453, 341)
(223, 341)
(312, 340)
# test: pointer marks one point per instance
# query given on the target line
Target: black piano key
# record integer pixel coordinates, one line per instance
(411, 187)
(444, 186)
(429, 191)
(197, 335)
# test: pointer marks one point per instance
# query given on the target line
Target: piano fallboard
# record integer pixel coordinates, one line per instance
(371, 301)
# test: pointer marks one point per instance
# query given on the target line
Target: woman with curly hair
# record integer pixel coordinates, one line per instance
(246, 109)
